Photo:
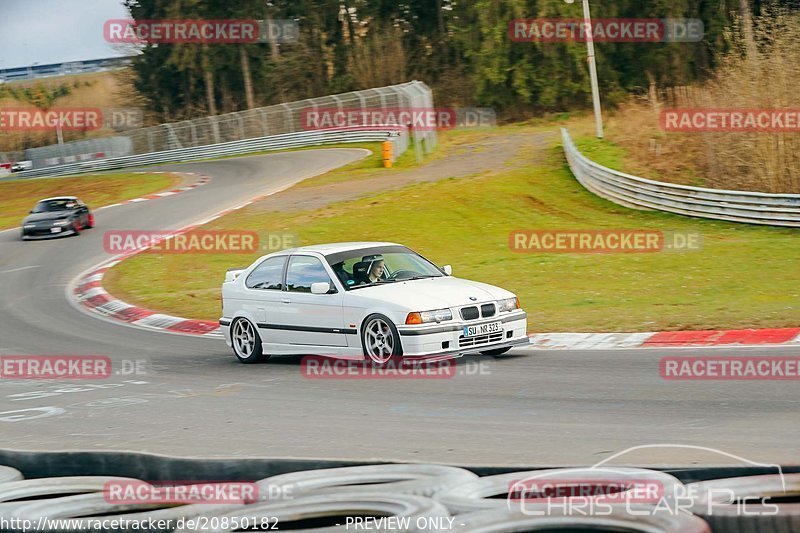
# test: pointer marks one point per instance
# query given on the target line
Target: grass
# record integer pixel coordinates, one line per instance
(744, 276)
(19, 197)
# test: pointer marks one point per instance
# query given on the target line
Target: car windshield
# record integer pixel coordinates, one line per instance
(373, 266)
(46, 206)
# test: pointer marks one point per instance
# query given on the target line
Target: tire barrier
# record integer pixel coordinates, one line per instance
(96, 504)
(619, 520)
(422, 480)
(425, 497)
(482, 493)
(8, 474)
(749, 504)
(26, 489)
(330, 512)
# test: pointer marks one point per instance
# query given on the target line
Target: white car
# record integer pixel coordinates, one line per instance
(365, 299)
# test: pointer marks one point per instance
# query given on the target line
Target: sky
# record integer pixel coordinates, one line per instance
(56, 31)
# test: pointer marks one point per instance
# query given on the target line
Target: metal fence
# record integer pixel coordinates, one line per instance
(641, 193)
(260, 123)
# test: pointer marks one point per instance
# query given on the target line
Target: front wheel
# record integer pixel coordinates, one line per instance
(496, 351)
(246, 342)
(380, 339)
(76, 226)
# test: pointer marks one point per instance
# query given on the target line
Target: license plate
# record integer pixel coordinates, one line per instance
(55, 230)
(482, 329)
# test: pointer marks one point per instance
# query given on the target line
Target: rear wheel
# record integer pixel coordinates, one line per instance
(246, 342)
(89, 221)
(380, 339)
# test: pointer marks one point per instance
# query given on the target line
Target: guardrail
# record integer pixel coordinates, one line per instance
(398, 135)
(640, 193)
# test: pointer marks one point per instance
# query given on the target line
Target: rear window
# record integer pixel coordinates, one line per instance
(268, 275)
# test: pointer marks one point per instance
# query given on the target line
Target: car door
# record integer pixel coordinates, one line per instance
(306, 318)
(262, 296)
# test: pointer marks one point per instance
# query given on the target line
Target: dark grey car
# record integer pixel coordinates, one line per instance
(56, 217)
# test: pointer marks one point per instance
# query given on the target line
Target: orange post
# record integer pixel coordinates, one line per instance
(387, 154)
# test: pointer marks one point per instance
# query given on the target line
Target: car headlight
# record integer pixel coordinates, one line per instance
(508, 304)
(423, 317)
(27, 226)
(61, 222)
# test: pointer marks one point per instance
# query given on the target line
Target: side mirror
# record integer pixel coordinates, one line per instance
(31, 211)
(321, 287)
(447, 269)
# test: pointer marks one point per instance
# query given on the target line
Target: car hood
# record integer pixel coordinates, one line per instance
(430, 293)
(48, 215)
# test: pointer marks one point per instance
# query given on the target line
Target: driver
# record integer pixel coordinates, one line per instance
(375, 271)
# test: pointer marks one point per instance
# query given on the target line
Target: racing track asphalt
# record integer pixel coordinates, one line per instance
(531, 408)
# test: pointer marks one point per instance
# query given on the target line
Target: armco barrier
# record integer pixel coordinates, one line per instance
(398, 135)
(641, 193)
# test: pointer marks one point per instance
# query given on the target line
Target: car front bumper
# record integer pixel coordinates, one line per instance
(32, 234)
(447, 338)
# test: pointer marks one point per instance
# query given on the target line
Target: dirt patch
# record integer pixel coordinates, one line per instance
(490, 155)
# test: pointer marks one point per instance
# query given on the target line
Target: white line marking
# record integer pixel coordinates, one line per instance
(18, 269)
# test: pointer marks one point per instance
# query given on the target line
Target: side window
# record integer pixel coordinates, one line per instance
(267, 275)
(303, 271)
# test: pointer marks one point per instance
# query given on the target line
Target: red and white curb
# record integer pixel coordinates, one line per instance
(90, 294)
(155, 196)
(87, 290)
(666, 339)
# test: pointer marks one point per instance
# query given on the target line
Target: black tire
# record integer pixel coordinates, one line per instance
(482, 494)
(327, 509)
(247, 342)
(76, 226)
(715, 506)
(385, 342)
(418, 479)
(496, 351)
(9, 474)
(618, 519)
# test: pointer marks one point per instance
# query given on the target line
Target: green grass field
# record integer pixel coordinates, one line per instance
(744, 276)
(19, 197)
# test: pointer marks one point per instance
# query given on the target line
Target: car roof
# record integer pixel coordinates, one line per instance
(337, 247)
(59, 198)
